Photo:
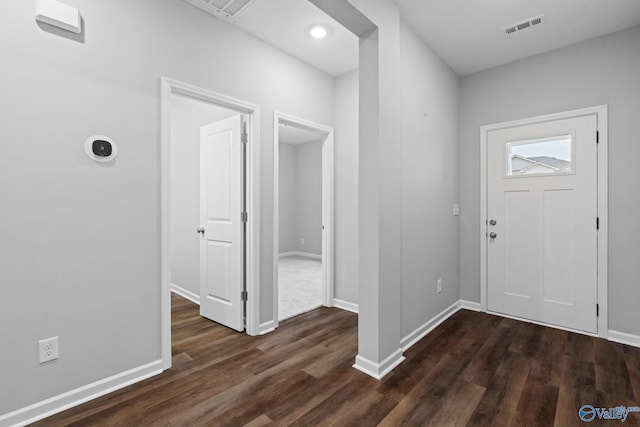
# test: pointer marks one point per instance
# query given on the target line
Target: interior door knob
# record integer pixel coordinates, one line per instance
(201, 230)
(493, 235)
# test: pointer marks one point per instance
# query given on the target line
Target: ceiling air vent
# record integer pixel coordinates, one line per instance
(510, 30)
(229, 10)
(536, 20)
(520, 26)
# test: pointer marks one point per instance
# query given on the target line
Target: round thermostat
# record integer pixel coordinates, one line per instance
(100, 148)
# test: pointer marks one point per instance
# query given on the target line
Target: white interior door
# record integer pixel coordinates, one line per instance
(541, 228)
(221, 222)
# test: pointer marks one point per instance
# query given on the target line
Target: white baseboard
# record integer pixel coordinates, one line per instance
(298, 253)
(470, 305)
(624, 338)
(345, 305)
(185, 293)
(415, 336)
(284, 254)
(64, 401)
(308, 255)
(267, 327)
(379, 370)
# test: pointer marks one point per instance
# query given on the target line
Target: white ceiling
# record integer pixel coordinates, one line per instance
(294, 136)
(467, 34)
(286, 23)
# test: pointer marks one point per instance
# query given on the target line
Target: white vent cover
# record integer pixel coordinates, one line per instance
(520, 26)
(230, 10)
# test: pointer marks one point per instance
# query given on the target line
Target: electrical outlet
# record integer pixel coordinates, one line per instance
(439, 285)
(456, 209)
(302, 240)
(48, 349)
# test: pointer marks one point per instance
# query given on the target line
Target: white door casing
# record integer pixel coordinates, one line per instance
(327, 208)
(547, 262)
(169, 87)
(222, 222)
(601, 114)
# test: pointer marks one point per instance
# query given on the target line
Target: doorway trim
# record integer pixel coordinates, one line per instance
(170, 87)
(327, 204)
(601, 112)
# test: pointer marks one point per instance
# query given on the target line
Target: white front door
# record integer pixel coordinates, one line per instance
(221, 222)
(542, 218)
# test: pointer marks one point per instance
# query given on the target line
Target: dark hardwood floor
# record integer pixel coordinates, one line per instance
(473, 370)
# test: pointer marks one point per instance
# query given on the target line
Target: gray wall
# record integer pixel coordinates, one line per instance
(287, 219)
(79, 252)
(309, 197)
(605, 70)
(300, 204)
(187, 116)
(430, 92)
(379, 182)
(346, 187)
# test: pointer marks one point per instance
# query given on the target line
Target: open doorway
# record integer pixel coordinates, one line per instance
(303, 216)
(200, 202)
(207, 206)
(188, 116)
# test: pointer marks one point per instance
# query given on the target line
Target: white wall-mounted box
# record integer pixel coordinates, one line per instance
(58, 14)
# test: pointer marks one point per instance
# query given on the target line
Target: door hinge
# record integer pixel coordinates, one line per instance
(597, 137)
(245, 217)
(598, 223)
(597, 310)
(244, 295)
(245, 138)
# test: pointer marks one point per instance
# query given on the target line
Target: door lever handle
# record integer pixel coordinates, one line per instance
(201, 230)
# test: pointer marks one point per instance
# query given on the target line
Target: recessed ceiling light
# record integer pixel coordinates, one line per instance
(318, 32)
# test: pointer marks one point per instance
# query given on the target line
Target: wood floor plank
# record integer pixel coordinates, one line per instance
(580, 347)
(475, 369)
(577, 388)
(612, 375)
(528, 340)
(337, 408)
(537, 404)
(457, 332)
(261, 400)
(368, 411)
(261, 421)
(289, 411)
(500, 400)
(424, 400)
(159, 403)
(633, 366)
(305, 326)
(458, 404)
(548, 361)
(484, 364)
(204, 411)
(336, 353)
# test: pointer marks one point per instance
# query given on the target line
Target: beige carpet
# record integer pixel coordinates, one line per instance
(299, 285)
